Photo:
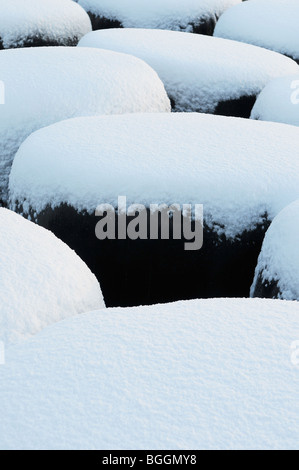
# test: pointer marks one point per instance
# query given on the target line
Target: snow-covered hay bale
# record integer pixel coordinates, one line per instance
(200, 73)
(277, 272)
(197, 16)
(42, 280)
(279, 101)
(243, 172)
(204, 374)
(272, 24)
(45, 85)
(28, 23)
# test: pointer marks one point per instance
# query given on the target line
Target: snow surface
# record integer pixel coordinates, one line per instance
(162, 14)
(268, 23)
(53, 20)
(279, 101)
(279, 259)
(42, 280)
(48, 84)
(202, 374)
(238, 168)
(198, 71)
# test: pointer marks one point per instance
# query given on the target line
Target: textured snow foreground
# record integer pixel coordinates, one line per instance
(41, 22)
(279, 101)
(277, 273)
(267, 23)
(200, 374)
(199, 72)
(42, 280)
(48, 84)
(189, 15)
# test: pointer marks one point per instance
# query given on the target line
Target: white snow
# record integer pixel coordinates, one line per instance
(268, 23)
(279, 259)
(46, 85)
(279, 101)
(42, 280)
(52, 20)
(203, 374)
(162, 14)
(238, 168)
(198, 71)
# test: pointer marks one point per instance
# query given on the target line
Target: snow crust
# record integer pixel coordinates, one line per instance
(279, 259)
(42, 280)
(202, 374)
(54, 20)
(198, 71)
(162, 14)
(48, 84)
(272, 24)
(279, 101)
(237, 168)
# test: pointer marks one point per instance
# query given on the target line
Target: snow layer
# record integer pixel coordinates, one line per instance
(203, 374)
(279, 101)
(268, 23)
(61, 21)
(162, 14)
(239, 169)
(279, 259)
(42, 280)
(46, 85)
(198, 71)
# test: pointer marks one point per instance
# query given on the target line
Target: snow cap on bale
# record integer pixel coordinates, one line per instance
(238, 169)
(200, 73)
(277, 272)
(25, 23)
(187, 15)
(42, 281)
(279, 101)
(202, 374)
(49, 84)
(272, 24)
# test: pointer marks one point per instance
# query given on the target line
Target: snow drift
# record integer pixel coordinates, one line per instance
(244, 173)
(204, 374)
(239, 169)
(42, 281)
(46, 85)
(200, 73)
(272, 24)
(279, 101)
(41, 23)
(190, 15)
(277, 272)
